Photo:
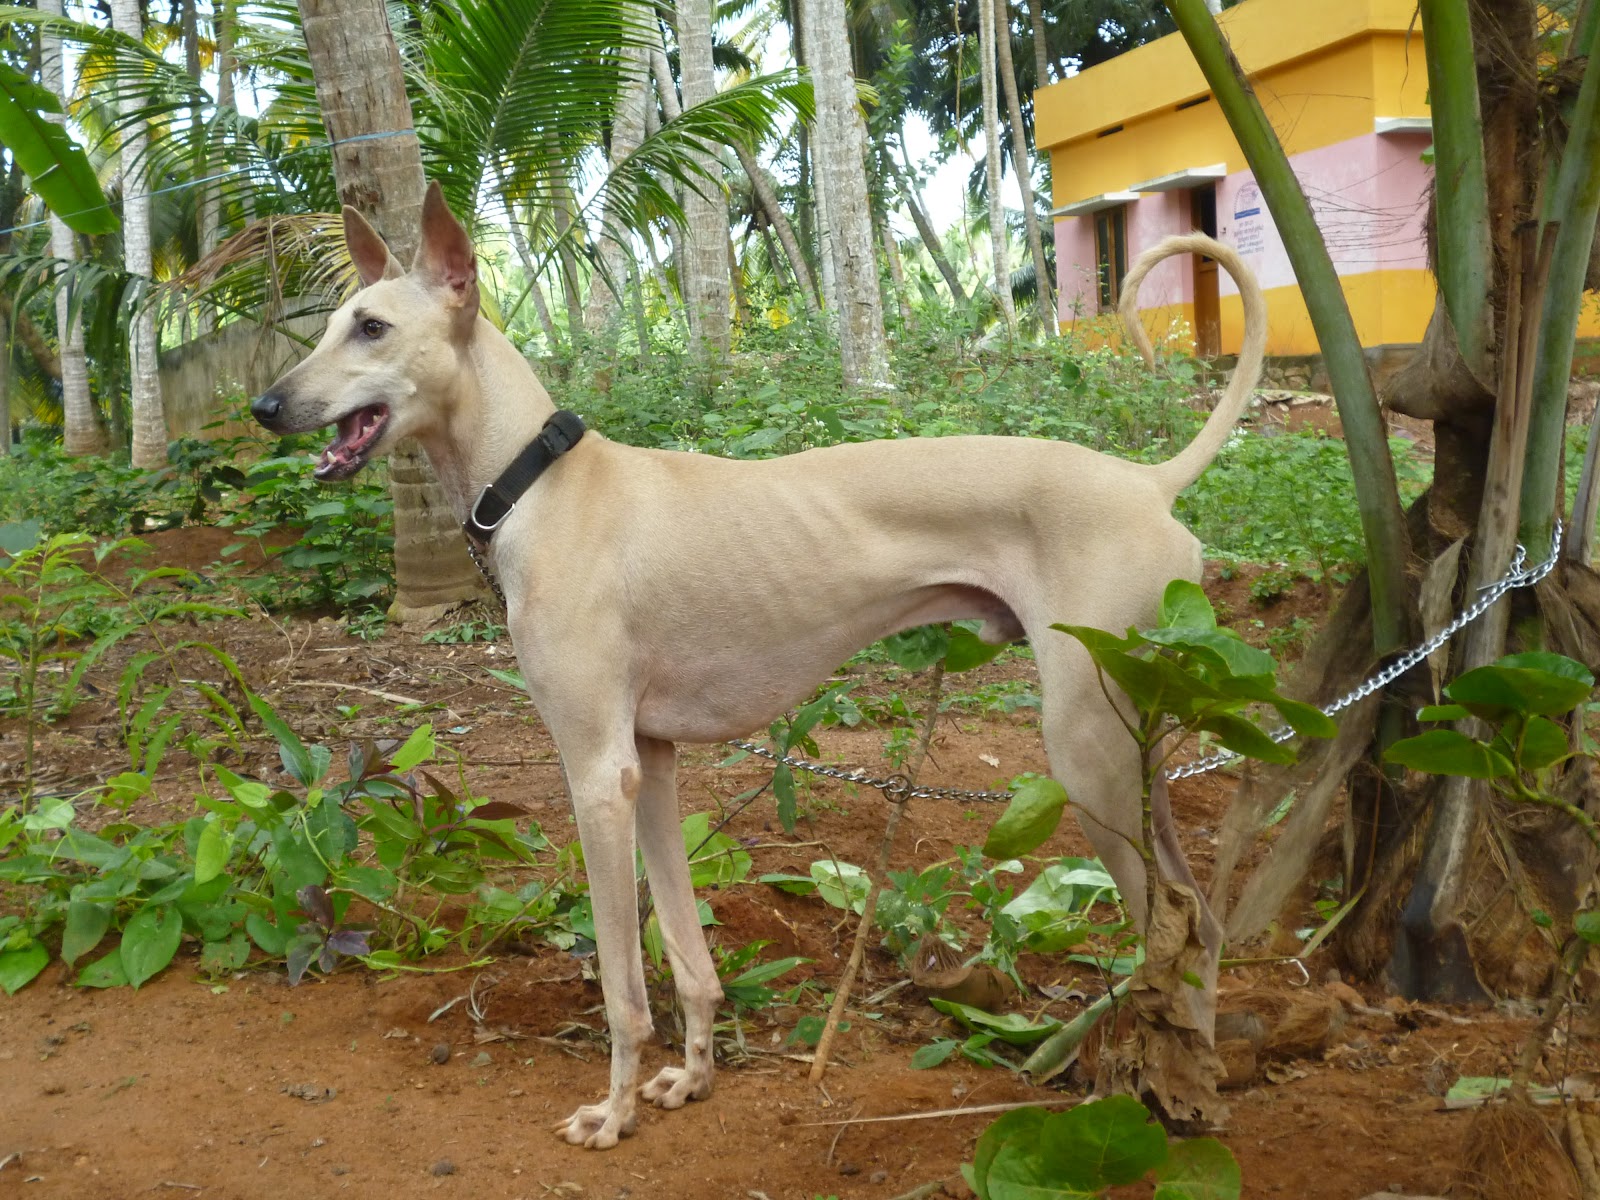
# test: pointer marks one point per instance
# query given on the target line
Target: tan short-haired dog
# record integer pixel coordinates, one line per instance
(657, 597)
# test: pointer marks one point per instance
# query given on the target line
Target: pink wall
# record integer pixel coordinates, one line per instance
(1369, 195)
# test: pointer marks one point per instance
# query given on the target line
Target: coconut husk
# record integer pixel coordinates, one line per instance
(1510, 1153)
(937, 969)
(1295, 1024)
(1238, 1057)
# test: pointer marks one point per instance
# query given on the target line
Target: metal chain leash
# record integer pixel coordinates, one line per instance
(894, 787)
(1517, 576)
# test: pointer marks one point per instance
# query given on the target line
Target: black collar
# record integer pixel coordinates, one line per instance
(494, 504)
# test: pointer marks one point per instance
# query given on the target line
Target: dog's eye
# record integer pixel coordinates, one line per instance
(373, 328)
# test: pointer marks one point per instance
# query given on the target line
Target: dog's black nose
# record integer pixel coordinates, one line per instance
(266, 407)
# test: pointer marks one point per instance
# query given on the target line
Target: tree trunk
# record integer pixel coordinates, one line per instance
(627, 131)
(1023, 162)
(1041, 52)
(897, 271)
(519, 242)
(839, 137)
(210, 214)
(83, 433)
(930, 237)
(991, 161)
(567, 229)
(149, 421)
(768, 199)
(361, 91)
(705, 209)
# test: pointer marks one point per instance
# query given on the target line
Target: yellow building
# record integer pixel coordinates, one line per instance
(1139, 150)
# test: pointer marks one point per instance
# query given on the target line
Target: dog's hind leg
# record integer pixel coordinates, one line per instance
(605, 791)
(1093, 756)
(667, 865)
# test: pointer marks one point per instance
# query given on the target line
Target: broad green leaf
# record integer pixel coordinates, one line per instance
(1544, 743)
(1008, 1027)
(49, 812)
(967, 650)
(714, 858)
(264, 933)
(251, 793)
(1150, 683)
(104, 972)
(211, 854)
(1102, 1144)
(87, 922)
(843, 885)
(1442, 712)
(1533, 685)
(919, 648)
(1030, 818)
(510, 678)
(61, 173)
(1185, 604)
(1243, 736)
(931, 1055)
(19, 967)
(1587, 926)
(1221, 649)
(1198, 1169)
(1304, 719)
(1446, 752)
(418, 748)
(798, 885)
(149, 940)
(1022, 1126)
(290, 748)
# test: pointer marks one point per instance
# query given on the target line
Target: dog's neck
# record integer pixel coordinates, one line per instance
(497, 407)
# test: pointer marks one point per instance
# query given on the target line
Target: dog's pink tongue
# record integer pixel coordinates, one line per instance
(340, 450)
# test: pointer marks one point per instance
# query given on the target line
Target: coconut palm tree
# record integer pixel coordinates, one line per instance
(149, 421)
(83, 433)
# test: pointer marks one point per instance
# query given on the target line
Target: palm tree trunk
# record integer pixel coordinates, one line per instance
(705, 261)
(210, 215)
(1461, 193)
(1571, 213)
(627, 131)
(1023, 162)
(361, 90)
(991, 159)
(567, 229)
(1041, 52)
(741, 302)
(839, 138)
(83, 433)
(897, 271)
(779, 224)
(519, 241)
(149, 421)
(930, 238)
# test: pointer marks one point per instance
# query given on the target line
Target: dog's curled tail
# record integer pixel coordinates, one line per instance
(1184, 468)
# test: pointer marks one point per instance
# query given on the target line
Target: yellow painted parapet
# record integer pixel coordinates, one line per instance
(1266, 34)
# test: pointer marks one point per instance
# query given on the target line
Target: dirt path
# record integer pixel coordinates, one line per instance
(248, 1088)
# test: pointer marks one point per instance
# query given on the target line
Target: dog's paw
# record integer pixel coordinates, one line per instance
(598, 1126)
(674, 1086)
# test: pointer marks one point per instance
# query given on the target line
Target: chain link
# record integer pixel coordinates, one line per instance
(895, 787)
(899, 789)
(1517, 575)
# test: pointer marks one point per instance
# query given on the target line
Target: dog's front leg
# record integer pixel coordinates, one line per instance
(667, 865)
(605, 792)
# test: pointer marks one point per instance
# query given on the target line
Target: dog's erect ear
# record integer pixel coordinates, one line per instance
(445, 257)
(368, 251)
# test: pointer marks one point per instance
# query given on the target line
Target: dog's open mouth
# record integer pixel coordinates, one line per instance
(358, 433)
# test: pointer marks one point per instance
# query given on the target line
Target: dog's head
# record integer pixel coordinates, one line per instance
(391, 355)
